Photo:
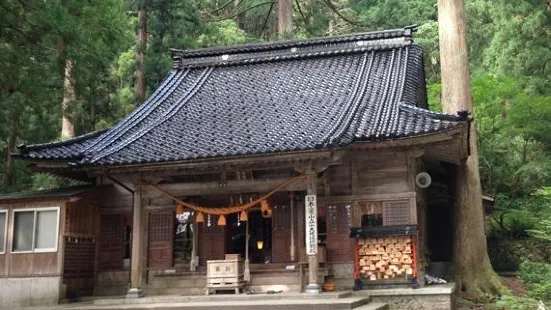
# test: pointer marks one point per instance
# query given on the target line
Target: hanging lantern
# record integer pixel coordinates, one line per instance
(267, 213)
(200, 218)
(221, 221)
(264, 205)
(243, 217)
(179, 209)
(259, 244)
(265, 209)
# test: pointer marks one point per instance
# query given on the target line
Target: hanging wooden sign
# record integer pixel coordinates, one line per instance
(311, 215)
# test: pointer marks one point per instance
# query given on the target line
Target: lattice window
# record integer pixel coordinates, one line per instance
(112, 231)
(160, 226)
(79, 258)
(396, 213)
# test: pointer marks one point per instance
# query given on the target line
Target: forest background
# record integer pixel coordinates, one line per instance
(81, 66)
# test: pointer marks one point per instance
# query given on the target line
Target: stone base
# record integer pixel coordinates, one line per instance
(313, 288)
(431, 297)
(29, 291)
(135, 293)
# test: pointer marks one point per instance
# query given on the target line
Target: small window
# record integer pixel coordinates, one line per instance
(35, 230)
(3, 228)
(372, 214)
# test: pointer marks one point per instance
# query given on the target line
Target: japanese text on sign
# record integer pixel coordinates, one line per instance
(311, 225)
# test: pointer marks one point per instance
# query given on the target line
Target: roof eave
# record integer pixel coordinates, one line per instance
(290, 156)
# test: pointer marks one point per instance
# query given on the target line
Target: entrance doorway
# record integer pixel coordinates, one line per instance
(260, 237)
(183, 238)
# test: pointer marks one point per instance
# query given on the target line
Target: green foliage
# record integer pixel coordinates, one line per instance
(536, 276)
(506, 254)
(509, 48)
(516, 303)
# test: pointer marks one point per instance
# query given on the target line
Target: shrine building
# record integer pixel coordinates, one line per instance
(315, 164)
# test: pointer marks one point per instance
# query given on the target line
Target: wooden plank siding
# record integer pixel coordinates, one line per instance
(32, 264)
(281, 233)
(340, 247)
(111, 241)
(211, 240)
(80, 246)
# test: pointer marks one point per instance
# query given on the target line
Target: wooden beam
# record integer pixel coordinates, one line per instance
(231, 187)
(415, 141)
(366, 197)
(224, 163)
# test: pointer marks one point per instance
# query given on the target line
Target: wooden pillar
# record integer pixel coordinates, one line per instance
(292, 221)
(137, 266)
(194, 261)
(311, 187)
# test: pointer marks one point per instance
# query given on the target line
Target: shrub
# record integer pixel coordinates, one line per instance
(537, 277)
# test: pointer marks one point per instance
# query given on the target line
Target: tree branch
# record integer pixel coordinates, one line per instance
(28, 38)
(303, 18)
(336, 10)
(239, 13)
(226, 5)
(266, 19)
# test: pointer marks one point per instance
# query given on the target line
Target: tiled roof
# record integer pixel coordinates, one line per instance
(50, 194)
(62, 150)
(275, 97)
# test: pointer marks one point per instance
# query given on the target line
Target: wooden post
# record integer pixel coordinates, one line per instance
(136, 269)
(313, 286)
(194, 261)
(247, 272)
(292, 213)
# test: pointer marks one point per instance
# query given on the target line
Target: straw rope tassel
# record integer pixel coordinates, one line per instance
(200, 218)
(225, 210)
(243, 217)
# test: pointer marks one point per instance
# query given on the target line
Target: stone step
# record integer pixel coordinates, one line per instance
(230, 304)
(186, 291)
(178, 298)
(177, 283)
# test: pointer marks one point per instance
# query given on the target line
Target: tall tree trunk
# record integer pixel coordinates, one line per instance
(474, 273)
(284, 18)
(14, 126)
(240, 18)
(69, 100)
(141, 44)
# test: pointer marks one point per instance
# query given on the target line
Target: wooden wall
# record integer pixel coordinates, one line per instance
(80, 245)
(367, 173)
(115, 215)
(363, 176)
(32, 264)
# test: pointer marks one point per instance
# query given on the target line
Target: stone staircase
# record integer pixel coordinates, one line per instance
(282, 301)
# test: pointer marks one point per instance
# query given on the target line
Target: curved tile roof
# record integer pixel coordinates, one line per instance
(270, 98)
(60, 150)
